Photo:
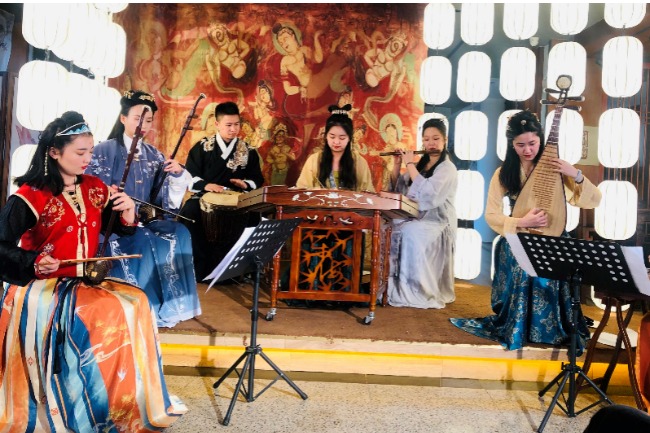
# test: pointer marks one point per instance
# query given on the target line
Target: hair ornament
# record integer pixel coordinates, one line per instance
(144, 96)
(76, 129)
(335, 109)
(523, 122)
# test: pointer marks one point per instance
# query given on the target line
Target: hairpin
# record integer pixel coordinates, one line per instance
(76, 129)
(144, 96)
(523, 122)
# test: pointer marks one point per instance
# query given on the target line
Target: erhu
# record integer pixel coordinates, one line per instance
(544, 188)
(148, 212)
(95, 271)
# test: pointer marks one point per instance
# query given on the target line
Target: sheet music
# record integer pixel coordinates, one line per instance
(634, 258)
(520, 254)
(221, 267)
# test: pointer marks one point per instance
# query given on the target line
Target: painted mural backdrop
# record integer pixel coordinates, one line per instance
(283, 65)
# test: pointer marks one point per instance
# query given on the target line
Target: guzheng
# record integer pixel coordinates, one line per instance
(392, 205)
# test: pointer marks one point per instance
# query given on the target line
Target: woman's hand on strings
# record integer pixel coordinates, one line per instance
(123, 203)
(173, 167)
(534, 218)
(561, 166)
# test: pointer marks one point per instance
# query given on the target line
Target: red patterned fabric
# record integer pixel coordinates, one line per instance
(62, 230)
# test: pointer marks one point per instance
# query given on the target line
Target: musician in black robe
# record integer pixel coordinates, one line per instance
(219, 163)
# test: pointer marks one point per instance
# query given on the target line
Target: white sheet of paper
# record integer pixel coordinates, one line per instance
(520, 254)
(634, 259)
(221, 267)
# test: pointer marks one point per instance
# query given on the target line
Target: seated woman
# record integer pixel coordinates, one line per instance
(336, 166)
(527, 309)
(165, 272)
(76, 357)
(422, 249)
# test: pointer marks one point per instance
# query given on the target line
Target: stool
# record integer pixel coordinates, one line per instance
(622, 337)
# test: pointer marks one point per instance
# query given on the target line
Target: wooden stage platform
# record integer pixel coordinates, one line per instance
(400, 341)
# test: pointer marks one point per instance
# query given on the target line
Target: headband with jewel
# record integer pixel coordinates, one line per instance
(76, 129)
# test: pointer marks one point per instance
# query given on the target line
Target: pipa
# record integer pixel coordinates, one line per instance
(544, 188)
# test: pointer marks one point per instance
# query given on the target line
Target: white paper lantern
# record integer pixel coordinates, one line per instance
(502, 140)
(622, 66)
(75, 44)
(569, 18)
(467, 259)
(570, 133)
(108, 101)
(421, 121)
(435, 80)
(568, 58)
(81, 96)
(615, 217)
(108, 59)
(41, 97)
(517, 81)
(469, 195)
(97, 36)
(572, 217)
(439, 19)
(619, 132)
(470, 133)
(520, 20)
(45, 25)
(477, 23)
(473, 80)
(624, 15)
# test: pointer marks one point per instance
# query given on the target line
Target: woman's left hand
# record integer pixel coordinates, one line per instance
(123, 203)
(173, 167)
(564, 167)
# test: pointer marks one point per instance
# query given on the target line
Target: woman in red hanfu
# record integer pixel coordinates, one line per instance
(76, 357)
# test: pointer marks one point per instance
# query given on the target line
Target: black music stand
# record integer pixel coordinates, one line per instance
(262, 244)
(575, 261)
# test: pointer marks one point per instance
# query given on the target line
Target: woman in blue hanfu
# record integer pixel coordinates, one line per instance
(165, 271)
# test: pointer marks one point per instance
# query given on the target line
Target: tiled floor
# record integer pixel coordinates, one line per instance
(361, 403)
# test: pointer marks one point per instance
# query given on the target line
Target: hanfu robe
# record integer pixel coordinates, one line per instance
(422, 249)
(211, 160)
(165, 272)
(76, 357)
(527, 309)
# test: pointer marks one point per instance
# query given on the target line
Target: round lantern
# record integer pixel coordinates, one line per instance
(569, 18)
(45, 25)
(517, 81)
(502, 124)
(439, 19)
(520, 20)
(619, 132)
(470, 129)
(469, 195)
(622, 66)
(624, 15)
(473, 81)
(467, 258)
(477, 23)
(435, 80)
(615, 217)
(41, 97)
(568, 58)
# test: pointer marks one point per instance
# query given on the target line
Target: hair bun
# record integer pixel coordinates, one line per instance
(335, 109)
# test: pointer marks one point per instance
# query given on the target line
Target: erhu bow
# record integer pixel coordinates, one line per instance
(96, 271)
(148, 210)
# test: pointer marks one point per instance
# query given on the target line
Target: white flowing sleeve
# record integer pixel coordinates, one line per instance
(177, 188)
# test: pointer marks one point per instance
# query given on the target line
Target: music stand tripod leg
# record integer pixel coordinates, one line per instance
(251, 351)
(570, 370)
